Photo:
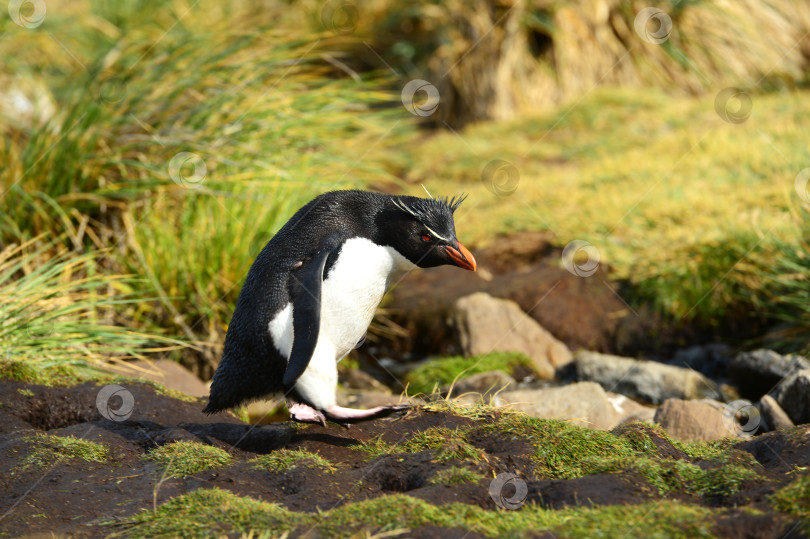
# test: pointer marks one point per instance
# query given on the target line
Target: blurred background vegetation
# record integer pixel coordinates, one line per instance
(112, 245)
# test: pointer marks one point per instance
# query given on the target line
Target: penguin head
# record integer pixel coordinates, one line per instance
(423, 231)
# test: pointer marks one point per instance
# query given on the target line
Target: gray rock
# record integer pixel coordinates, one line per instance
(584, 403)
(485, 383)
(485, 324)
(757, 372)
(773, 414)
(644, 380)
(793, 395)
(692, 420)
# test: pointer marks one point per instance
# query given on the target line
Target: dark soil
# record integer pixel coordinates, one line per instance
(82, 498)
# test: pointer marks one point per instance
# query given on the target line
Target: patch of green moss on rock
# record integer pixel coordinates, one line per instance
(181, 459)
(287, 459)
(794, 499)
(216, 512)
(455, 476)
(47, 449)
(443, 371)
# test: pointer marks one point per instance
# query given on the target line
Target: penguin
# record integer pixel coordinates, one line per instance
(312, 291)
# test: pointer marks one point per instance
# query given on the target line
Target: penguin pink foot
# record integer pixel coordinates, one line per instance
(343, 416)
(306, 414)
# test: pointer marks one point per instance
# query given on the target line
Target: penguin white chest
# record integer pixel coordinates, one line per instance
(355, 285)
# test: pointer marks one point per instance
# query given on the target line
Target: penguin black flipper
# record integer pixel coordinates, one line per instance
(306, 286)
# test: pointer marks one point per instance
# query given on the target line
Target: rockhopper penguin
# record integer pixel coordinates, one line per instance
(312, 291)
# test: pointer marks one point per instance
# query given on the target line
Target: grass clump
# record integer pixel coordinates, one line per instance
(47, 449)
(793, 499)
(183, 458)
(455, 476)
(443, 371)
(289, 459)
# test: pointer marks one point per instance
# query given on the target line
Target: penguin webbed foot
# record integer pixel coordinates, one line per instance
(306, 414)
(345, 416)
(303, 413)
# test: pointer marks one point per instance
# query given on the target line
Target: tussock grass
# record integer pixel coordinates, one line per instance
(59, 311)
(46, 450)
(183, 458)
(272, 123)
(686, 208)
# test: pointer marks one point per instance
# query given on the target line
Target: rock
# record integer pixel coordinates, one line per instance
(644, 380)
(357, 379)
(169, 374)
(755, 373)
(625, 407)
(485, 324)
(793, 395)
(485, 383)
(645, 415)
(773, 414)
(708, 359)
(585, 403)
(690, 420)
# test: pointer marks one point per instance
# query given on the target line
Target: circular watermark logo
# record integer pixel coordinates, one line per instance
(340, 17)
(580, 258)
(801, 183)
(501, 491)
(427, 104)
(27, 13)
(733, 105)
(115, 402)
(653, 25)
(500, 177)
(111, 90)
(741, 418)
(187, 169)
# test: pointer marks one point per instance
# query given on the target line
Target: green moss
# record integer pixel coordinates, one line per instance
(215, 512)
(374, 447)
(180, 459)
(561, 450)
(793, 499)
(447, 444)
(25, 392)
(718, 479)
(443, 371)
(287, 459)
(455, 476)
(53, 375)
(47, 449)
(212, 513)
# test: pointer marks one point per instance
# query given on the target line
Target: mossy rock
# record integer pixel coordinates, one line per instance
(443, 371)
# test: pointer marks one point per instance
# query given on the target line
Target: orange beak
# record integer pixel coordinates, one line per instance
(462, 257)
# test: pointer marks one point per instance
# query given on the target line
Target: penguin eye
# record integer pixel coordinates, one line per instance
(425, 237)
